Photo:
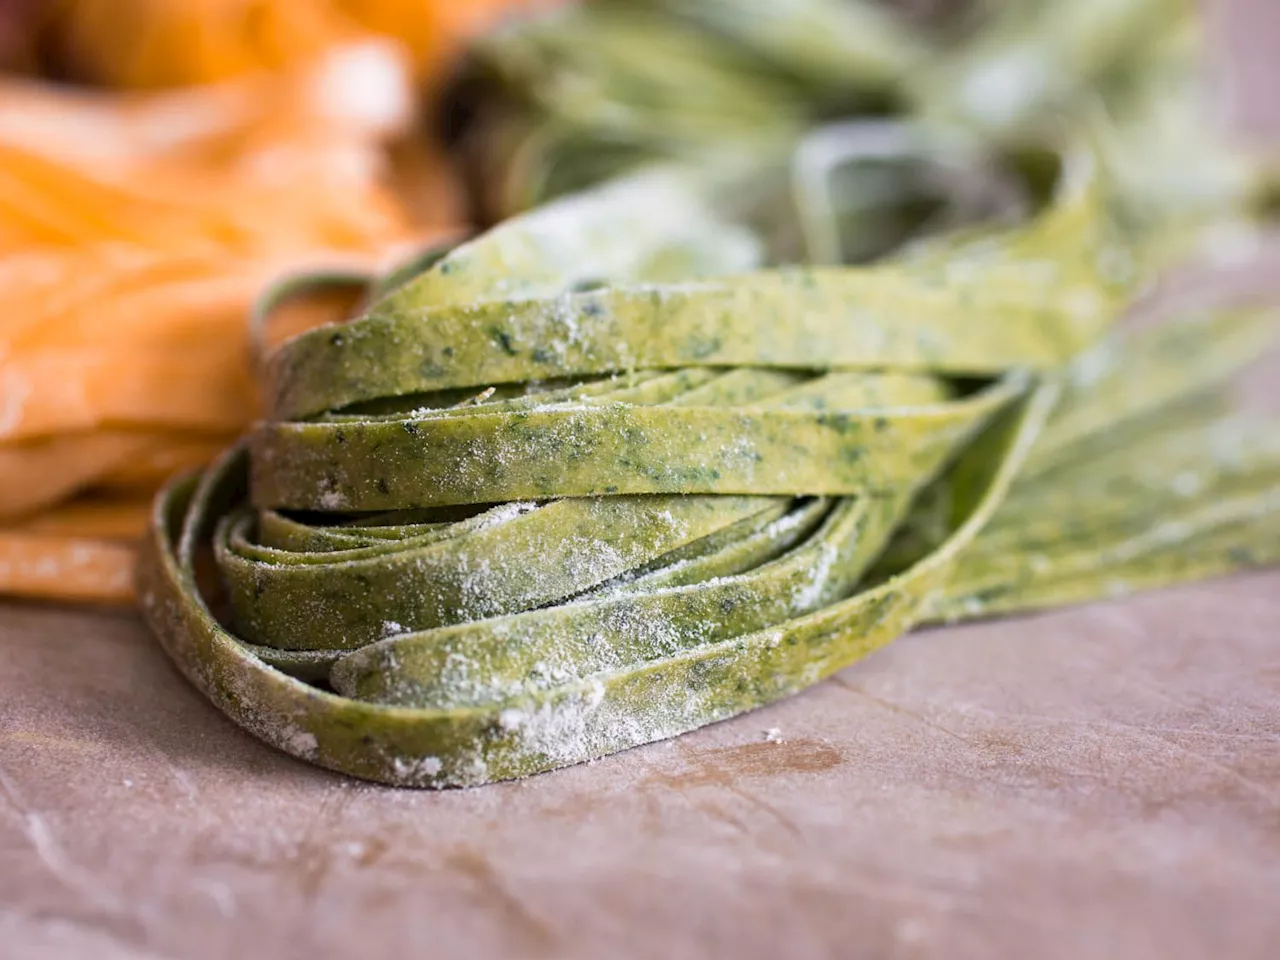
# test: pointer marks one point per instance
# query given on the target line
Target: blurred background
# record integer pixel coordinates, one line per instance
(162, 161)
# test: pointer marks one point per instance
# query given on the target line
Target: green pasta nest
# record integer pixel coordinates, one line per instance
(598, 478)
(745, 395)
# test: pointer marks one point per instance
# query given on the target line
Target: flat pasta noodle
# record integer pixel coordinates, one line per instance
(79, 568)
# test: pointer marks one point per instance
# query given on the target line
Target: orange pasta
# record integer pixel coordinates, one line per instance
(69, 568)
(136, 230)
